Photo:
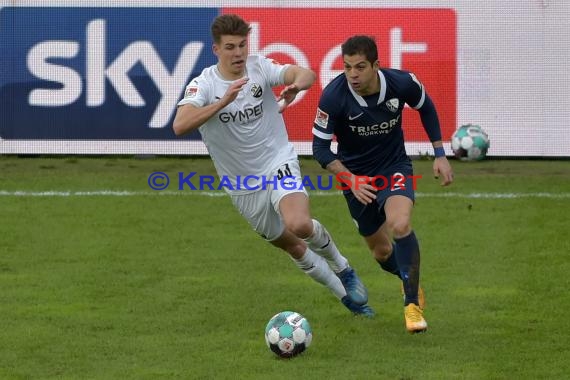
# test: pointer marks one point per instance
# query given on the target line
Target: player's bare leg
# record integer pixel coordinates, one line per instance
(382, 248)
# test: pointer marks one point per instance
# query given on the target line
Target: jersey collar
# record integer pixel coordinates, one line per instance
(381, 95)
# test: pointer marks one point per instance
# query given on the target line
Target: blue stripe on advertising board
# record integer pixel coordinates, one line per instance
(98, 73)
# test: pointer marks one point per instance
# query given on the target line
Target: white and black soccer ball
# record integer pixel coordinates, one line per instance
(470, 143)
(288, 333)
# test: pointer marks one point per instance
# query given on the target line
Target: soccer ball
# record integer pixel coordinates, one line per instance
(470, 143)
(288, 334)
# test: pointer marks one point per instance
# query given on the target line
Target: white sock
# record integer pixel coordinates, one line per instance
(317, 268)
(322, 243)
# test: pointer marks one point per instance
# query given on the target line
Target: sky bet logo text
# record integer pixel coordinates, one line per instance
(111, 73)
(117, 72)
(341, 181)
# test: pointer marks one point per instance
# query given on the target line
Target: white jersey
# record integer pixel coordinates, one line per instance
(247, 137)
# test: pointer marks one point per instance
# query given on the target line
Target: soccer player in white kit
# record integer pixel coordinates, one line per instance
(233, 106)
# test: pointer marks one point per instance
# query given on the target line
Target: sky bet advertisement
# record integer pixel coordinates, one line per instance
(116, 73)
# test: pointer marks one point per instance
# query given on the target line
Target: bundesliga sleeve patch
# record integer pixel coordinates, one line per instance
(190, 92)
(322, 118)
(415, 79)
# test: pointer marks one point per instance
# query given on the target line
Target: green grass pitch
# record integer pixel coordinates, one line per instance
(103, 278)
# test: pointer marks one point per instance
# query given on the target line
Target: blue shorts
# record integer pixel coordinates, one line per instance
(396, 180)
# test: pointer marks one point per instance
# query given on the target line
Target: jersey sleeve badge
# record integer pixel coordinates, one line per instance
(415, 79)
(322, 118)
(190, 92)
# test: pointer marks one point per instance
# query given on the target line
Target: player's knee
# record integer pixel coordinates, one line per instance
(382, 251)
(302, 228)
(399, 227)
(296, 250)
(291, 244)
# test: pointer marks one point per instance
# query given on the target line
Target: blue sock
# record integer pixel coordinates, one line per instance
(391, 265)
(408, 258)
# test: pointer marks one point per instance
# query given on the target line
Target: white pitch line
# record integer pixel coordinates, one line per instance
(127, 193)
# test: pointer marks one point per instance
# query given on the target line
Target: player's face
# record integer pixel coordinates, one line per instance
(232, 54)
(361, 74)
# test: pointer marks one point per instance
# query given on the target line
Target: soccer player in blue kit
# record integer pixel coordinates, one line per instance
(363, 108)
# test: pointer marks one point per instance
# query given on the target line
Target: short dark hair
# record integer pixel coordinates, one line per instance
(229, 25)
(363, 45)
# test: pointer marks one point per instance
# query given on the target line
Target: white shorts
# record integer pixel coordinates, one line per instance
(261, 208)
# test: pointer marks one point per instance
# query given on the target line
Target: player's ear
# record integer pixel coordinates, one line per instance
(376, 65)
(215, 49)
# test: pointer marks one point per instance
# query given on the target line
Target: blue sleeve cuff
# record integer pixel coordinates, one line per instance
(439, 151)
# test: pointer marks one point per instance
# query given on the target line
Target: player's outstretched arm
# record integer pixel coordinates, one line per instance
(296, 79)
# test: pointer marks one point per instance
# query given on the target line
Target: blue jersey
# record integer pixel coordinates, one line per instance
(369, 129)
